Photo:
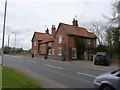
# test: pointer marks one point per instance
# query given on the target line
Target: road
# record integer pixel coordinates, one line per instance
(54, 74)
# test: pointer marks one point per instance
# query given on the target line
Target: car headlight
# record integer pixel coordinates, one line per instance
(96, 79)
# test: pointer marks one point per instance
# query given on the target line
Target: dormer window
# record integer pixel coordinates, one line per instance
(60, 39)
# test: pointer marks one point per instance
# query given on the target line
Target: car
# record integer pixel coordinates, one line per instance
(108, 81)
(101, 58)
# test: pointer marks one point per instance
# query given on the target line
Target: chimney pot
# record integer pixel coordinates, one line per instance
(47, 31)
(75, 23)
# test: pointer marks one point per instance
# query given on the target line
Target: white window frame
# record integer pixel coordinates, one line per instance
(74, 56)
(88, 41)
(60, 39)
(50, 52)
(53, 52)
(35, 43)
(34, 51)
(49, 44)
(40, 51)
(59, 48)
(43, 44)
(43, 51)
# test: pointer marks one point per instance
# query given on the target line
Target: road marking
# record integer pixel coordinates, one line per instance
(53, 66)
(86, 74)
(31, 61)
(42, 59)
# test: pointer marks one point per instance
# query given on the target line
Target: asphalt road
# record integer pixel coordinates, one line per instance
(54, 74)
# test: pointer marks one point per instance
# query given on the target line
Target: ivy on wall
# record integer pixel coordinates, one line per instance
(70, 53)
(80, 46)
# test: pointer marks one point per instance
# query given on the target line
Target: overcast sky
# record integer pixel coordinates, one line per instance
(24, 17)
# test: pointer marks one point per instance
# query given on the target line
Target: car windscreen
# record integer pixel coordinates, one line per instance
(115, 71)
(101, 55)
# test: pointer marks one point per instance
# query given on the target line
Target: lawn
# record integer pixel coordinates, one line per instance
(13, 79)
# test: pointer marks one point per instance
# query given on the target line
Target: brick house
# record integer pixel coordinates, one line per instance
(59, 42)
(41, 40)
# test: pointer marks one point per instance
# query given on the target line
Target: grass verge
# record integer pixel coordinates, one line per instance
(16, 54)
(13, 79)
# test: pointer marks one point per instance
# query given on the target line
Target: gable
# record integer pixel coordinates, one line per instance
(60, 29)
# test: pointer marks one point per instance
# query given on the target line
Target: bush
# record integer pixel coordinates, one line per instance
(82, 57)
(115, 56)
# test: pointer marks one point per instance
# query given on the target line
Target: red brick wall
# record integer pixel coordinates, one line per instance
(35, 47)
(43, 48)
(64, 43)
(89, 45)
(71, 42)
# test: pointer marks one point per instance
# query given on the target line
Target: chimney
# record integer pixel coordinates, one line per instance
(53, 29)
(75, 23)
(47, 31)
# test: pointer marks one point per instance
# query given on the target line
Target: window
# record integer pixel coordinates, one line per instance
(34, 51)
(88, 41)
(40, 51)
(59, 51)
(74, 53)
(43, 52)
(43, 45)
(60, 39)
(115, 71)
(34, 43)
(49, 44)
(118, 75)
(53, 52)
(50, 52)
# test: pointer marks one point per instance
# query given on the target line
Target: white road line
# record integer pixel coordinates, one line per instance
(86, 74)
(31, 61)
(53, 66)
(42, 59)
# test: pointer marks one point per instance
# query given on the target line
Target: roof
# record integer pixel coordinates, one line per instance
(48, 39)
(43, 37)
(69, 29)
(79, 31)
(39, 35)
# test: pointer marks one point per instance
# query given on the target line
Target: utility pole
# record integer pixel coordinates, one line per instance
(4, 32)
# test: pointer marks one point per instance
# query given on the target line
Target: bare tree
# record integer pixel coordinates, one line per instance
(99, 30)
(115, 18)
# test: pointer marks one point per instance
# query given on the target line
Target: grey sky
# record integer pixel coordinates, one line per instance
(26, 16)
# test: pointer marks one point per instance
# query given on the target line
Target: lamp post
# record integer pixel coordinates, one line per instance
(15, 41)
(8, 40)
(4, 32)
